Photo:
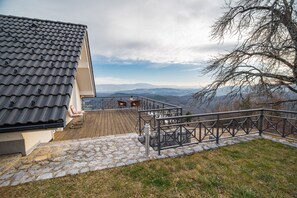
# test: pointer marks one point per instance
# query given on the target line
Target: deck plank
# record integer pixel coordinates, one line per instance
(101, 123)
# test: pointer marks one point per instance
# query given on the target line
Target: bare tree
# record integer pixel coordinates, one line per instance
(265, 60)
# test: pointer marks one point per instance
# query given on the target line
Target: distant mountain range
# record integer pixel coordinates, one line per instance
(138, 87)
(159, 91)
(178, 96)
(148, 89)
(112, 88)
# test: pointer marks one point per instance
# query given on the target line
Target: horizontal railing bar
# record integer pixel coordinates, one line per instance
(225, 113)
(110, 97)
(279, 117)
(165, 103)
(279, 136)
(205, 141)
(161, 109)
(281, 111)
(209, 114)
(212, 120)
(162, 105)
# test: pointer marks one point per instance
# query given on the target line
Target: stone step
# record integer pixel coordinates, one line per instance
(9, 161)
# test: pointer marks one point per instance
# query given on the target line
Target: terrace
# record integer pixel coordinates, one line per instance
(101, 123)
(171, 135)
(105, 117)
(169, 128)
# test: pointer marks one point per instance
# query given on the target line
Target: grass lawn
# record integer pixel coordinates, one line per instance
(259, 168)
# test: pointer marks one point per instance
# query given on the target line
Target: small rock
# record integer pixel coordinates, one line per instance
(131, 162)
(15, 182)
(73, 171)
(29, 179)
(84, 170)
(6, 176)
(40, 158)
(198, 149)
(60, 174)
(19, 175)
(45, 176)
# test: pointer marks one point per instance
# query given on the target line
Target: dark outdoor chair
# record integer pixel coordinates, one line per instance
(122, 104)
(135, 103)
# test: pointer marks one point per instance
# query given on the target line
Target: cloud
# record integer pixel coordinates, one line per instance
(103, 60)
(167, 31)
(210, 48)
(164, 42)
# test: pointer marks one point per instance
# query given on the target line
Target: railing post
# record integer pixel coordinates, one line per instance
(233, 128)
(261, 122)
(147, 139)
(102, 107)
(200, 139)
(217, 135)
(139, 122)
(248, 124)
(159, 137)
(284, 127)
(180, 135)
(154, 119)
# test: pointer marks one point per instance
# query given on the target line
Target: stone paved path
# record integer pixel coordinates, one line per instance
(57, 159)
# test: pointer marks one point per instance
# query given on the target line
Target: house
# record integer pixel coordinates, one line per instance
(45, 66)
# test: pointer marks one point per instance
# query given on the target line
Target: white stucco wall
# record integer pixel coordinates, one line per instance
(75, 100)
(23, 142)
(33, 138)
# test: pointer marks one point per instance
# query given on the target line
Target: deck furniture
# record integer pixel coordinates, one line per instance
(135, 103)
(78, 117)
(122, 104)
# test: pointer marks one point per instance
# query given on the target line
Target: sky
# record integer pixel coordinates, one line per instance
(161, 42)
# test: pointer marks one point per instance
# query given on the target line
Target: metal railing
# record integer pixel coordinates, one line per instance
(103, 103)
(152, 109)
(179, 131)
(150, 116)
(148, 103)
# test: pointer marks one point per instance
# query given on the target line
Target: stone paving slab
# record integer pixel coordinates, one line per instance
(292, 143)
(9, 161)
(57, 159)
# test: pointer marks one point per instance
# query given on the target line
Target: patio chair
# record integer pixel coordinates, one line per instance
(122, 104)
(78, 117)
(135, 103)
(74, 111)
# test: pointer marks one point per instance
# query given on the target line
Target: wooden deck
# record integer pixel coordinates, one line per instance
(101, 123)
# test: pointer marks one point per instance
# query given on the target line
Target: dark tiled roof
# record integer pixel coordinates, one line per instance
(38, 61)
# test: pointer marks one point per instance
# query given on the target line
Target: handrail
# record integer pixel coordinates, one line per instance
(109, 97)
(280, 111)
(160, 109)
(176, 131)
(146, 103)
(226, 113)
(165, 103)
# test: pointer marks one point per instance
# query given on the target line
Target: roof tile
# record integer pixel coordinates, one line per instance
(38, 61)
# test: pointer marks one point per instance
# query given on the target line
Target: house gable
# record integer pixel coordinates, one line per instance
(38, 64)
